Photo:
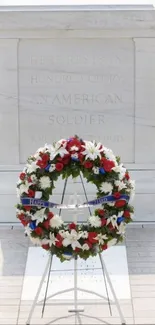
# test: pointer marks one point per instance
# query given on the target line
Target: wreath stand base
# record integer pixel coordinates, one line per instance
(77, 311)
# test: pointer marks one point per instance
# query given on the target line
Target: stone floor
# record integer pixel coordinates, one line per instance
(139, 308)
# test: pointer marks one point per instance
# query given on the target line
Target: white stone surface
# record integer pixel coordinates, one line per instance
(62, 275)
(89, 72)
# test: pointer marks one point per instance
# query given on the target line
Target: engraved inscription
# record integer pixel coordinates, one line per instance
(77, 99)
(48, 60)
(83, 87)
(52, 79)
(76, 119)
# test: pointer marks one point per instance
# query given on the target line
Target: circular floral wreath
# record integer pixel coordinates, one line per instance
(72, 157)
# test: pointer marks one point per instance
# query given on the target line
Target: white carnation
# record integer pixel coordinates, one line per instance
(56, 221)
(45, 182)
(106, 187)
(94, 221)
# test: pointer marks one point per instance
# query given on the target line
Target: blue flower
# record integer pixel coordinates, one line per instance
(101, 170)
(33, 225)
(120, 219)
(74, 159)
(47, 167)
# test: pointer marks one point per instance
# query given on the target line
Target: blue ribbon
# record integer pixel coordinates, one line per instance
(41, 203)
(37, 202)
(107, 198)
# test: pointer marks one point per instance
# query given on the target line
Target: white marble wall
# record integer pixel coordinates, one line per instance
(57, 80)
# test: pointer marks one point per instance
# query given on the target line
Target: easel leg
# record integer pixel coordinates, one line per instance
(39, 289)
(77, 316)
(112, 289)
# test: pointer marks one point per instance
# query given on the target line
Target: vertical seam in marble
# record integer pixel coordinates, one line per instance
(134, 76)
(18, 100)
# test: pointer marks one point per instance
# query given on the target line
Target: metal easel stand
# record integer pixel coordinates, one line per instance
(76, 306)
(76, 310)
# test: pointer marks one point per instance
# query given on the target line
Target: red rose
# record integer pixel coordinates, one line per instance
(126, 214)
(73, 143)
(100, 212)
(127, 176)
(38, 231)
(66, 159)
(88, 164)
(72, 226)
(45, 157)
(91, 237)
(31, 193)
(50, 215)
(29, 180)
(22, 176)
(120, 203)
(59, 240)
(46, 224)
(27, 208)
(46, 246)
(107, 164)
(104, 247)
(22, 219)
(117, 195)
(59, 166)
(103, 222)
(41, 163)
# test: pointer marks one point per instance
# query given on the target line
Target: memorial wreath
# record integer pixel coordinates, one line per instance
(98, 165)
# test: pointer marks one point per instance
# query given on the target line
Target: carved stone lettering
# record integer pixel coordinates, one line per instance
(83, 87)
